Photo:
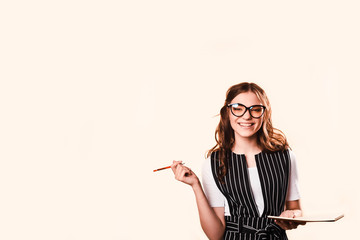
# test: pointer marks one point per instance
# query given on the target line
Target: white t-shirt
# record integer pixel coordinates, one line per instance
(217, 199)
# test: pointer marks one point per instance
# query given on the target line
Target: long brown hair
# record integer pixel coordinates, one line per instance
(269, 138)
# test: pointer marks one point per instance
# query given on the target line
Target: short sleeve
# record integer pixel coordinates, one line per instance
(293, 188)
(212, 192)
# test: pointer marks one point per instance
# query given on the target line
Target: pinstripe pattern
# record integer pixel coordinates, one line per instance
(274, 169)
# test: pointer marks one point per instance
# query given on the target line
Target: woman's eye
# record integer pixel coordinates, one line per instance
(256, 109)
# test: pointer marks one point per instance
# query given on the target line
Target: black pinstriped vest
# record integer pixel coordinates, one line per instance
(245, 222)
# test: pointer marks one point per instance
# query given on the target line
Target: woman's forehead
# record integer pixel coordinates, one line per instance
(248, 99)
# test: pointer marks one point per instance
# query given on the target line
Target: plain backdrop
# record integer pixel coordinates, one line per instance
(94, 95)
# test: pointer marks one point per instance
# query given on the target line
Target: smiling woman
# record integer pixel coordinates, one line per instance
(249, 174)
(245, 124)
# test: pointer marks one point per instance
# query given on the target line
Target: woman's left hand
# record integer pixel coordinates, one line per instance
(288, 225)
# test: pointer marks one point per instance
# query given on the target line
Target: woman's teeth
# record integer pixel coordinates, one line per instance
(246, 124)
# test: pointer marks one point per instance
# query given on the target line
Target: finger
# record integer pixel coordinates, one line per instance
(180, 172)
(176, 162)
(174, 165)
(284, 225)
(288, 214)
(178, 169)
(299, 223)
(288, 226)
(281, 224)
(293, 225)
(188, 172)
(297, 213)
(184, 173)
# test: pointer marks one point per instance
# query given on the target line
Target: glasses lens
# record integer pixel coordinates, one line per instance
(237, 109)
(257, 111)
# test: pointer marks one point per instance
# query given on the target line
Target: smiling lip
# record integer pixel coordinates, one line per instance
(246, 124)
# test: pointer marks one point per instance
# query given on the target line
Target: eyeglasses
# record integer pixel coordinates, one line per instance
(238, 110)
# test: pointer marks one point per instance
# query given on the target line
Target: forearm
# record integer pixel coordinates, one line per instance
(212, 221)
(212, 225)
(294, 206)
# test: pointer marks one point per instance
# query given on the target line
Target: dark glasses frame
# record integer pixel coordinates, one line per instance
(232, 105)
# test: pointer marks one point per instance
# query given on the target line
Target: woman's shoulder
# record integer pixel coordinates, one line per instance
(285, 152)
(289, 153)
(292, 156)
(206, 167)
(212, 155)
(278, 150)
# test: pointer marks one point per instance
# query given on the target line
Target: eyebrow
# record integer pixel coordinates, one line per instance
(245, 105)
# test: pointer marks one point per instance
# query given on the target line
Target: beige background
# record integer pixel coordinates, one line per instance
(94, 95)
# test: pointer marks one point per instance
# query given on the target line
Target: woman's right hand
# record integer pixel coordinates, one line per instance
(184, 174)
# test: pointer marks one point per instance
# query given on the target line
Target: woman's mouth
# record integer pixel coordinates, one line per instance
(246, 125)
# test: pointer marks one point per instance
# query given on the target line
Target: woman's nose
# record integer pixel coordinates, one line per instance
(247, 114)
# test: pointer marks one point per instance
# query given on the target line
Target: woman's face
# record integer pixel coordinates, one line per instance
(245, 126)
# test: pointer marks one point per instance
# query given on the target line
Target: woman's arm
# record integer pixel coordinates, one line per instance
(292, 210)
(292, 207)
(211, 219)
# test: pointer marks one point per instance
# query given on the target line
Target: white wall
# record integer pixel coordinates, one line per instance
(94, 95)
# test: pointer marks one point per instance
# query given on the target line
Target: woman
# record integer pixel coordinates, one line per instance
(249, 174)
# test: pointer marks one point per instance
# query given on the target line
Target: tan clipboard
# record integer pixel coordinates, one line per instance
(310, 218)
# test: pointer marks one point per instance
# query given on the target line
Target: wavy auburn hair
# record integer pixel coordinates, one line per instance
(269, 138)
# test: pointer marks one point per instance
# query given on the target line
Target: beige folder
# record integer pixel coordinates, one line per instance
(318, 218)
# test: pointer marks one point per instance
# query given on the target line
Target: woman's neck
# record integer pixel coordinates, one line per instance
(247, 146)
